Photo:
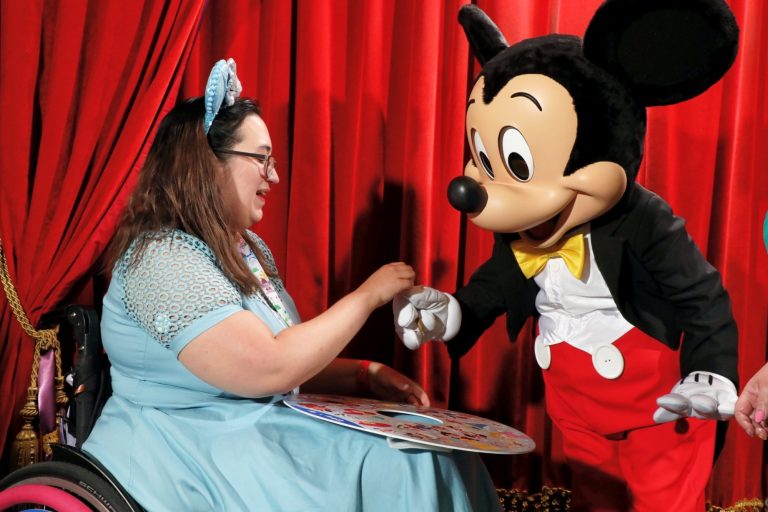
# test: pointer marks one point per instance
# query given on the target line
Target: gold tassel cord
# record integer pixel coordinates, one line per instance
(745, 505)
(26, 447)
(558, 499)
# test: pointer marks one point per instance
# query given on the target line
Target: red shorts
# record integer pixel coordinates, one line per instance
(620, 459)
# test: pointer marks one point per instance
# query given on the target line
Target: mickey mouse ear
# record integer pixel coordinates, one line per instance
(667, 51)
(485, 38)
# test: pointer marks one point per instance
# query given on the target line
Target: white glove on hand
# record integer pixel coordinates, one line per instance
(424, 314)
(703, 395)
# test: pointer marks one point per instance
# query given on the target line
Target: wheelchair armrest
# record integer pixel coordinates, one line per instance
(85, 323)
(91, 375)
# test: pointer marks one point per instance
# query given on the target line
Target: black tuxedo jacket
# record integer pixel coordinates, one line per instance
(658, 278)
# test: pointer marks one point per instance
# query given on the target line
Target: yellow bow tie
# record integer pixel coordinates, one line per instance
(533, 260)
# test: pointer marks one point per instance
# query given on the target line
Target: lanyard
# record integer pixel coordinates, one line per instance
(267, 292)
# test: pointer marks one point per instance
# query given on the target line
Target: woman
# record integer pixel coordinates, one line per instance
(204, 341)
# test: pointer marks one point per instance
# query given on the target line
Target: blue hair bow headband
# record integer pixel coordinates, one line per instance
(223, 87)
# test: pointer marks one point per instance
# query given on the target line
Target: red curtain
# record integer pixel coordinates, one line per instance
(365, 104)
(83, 84)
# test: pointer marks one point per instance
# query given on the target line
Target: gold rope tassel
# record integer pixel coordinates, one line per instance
(25, 449)
(745, 505)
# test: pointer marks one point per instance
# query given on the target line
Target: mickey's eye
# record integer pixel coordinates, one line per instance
(516, 154)
(482, 154)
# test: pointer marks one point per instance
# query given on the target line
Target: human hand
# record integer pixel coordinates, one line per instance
(389, 280)
(423, 314)
(752, 405)
(389, 384)
(703, 395)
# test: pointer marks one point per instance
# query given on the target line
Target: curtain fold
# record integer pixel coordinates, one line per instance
(84, 84)
(365, 103)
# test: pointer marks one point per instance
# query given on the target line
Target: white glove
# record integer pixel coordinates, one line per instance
(424, 314)
(702, 395)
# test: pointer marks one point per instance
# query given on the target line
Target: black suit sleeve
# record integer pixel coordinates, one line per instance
(496, 287)
(702, 309)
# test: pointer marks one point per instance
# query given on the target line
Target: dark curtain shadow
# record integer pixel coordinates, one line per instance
(376, 242)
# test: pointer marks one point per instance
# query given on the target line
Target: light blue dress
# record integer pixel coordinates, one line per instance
(179, 444)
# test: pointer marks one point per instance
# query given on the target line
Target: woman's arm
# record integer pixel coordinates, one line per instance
(240, 354)
(343, 376)
(339, 377)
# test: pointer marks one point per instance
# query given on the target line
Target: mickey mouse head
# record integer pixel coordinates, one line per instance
(556, 125)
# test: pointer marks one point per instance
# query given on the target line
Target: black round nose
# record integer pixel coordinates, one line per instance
(466, 195)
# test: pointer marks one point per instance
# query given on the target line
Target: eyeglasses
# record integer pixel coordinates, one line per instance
(268, 162)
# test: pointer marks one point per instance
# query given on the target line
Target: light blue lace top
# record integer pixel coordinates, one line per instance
(178, 281)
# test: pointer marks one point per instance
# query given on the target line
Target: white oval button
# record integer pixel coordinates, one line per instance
(608, 361)
(543, 354)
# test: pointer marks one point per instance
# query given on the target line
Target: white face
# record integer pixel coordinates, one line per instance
(245, 191)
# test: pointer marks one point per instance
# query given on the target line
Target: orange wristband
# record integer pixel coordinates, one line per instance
(362, 378)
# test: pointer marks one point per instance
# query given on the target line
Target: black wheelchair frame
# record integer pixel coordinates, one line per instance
(70, 468)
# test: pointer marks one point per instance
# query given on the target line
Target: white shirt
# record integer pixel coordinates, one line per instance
(580, 312)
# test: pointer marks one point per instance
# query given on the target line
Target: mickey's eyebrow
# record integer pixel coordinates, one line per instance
(526, 95)
(471, 101)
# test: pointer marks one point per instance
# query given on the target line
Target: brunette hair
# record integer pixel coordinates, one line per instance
(178, 188)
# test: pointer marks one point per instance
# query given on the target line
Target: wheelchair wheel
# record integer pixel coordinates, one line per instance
(43, 498)
(86, 486)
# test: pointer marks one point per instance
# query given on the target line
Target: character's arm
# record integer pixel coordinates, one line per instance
(702, 311)
(693, 287)
(496, 287)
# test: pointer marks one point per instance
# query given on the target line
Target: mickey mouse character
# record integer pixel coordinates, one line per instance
(626, 302)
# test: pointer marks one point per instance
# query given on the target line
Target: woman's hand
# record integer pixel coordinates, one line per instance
(387, 282)
(752, 405)
(389, 384)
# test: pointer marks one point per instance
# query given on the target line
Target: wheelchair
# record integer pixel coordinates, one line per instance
(71, 474)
